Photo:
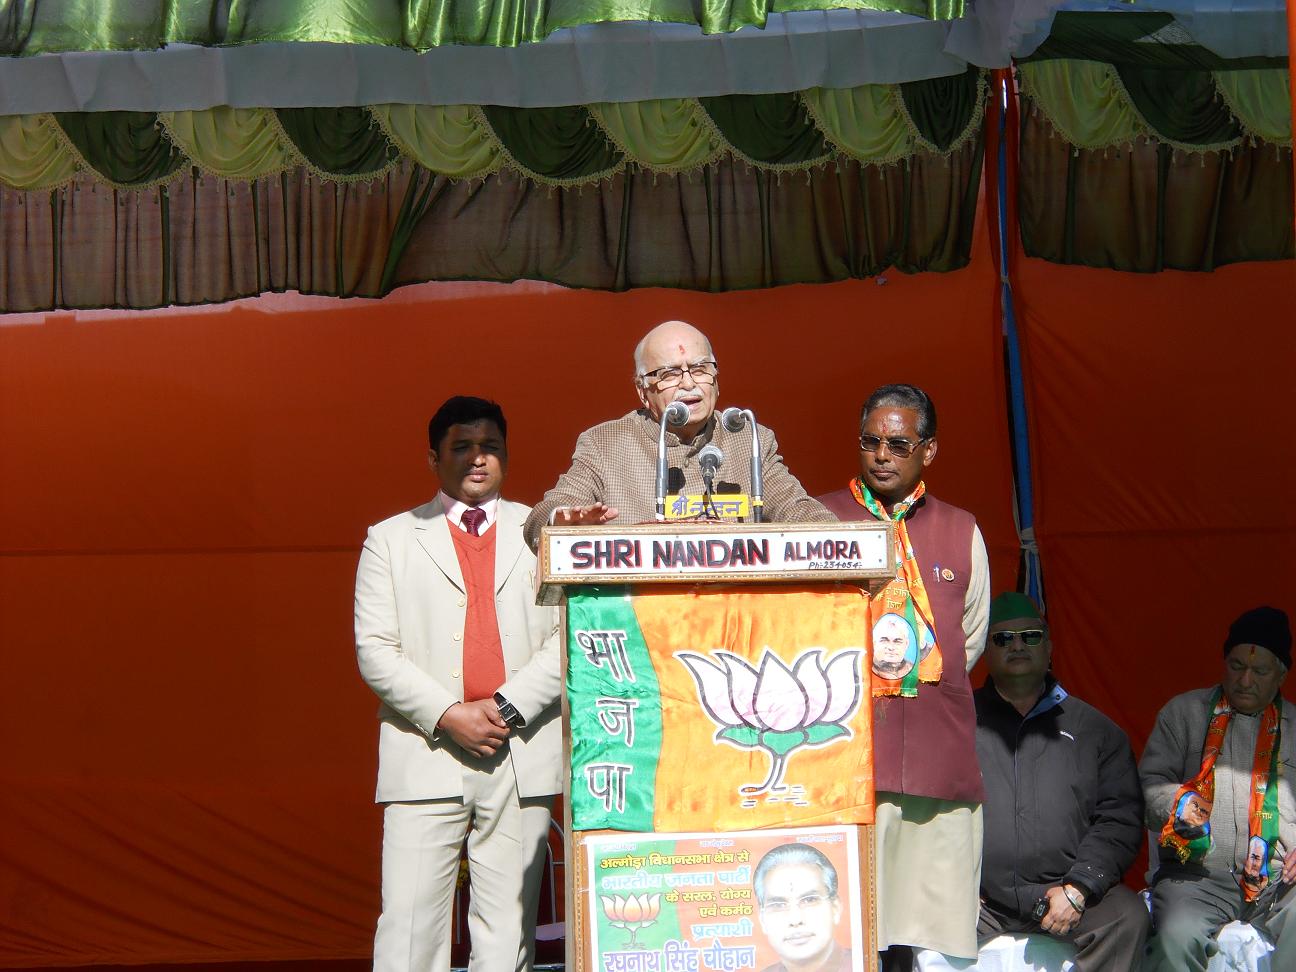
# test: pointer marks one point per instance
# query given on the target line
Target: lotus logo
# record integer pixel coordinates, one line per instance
(774, 707)
(632, 911)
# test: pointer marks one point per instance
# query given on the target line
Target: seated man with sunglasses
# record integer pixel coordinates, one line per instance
(614, 469)
(924, 729)
(1063, 807)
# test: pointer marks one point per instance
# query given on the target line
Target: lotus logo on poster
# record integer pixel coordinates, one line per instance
(777, 708)
(631, 912)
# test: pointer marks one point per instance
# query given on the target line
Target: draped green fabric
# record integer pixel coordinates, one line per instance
(31, 27)
(559, 145)
(930, 9)
(1096, 105)
(1182, 107)
(1260, 100)
(1115, 192)
(873, 124)
(1083, 99)
(32, 154)
(771, 129)
(127, 148)
(664, 135)
(238, 143)
(864, 123)
(1135, 37)
(340, 142)
(942, 108)
(446, 139)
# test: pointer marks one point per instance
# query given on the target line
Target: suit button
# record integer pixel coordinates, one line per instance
(458, 636)
(463, 601)
(455, 673)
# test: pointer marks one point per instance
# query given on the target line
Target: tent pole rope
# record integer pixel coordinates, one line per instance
(1003, 107)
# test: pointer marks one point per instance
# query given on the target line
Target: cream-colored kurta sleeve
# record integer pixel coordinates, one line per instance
(976, 605)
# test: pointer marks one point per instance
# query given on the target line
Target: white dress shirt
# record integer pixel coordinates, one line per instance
(455, 511)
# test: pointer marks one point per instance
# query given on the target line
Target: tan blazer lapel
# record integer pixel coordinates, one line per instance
(432, 531)
(508, 542)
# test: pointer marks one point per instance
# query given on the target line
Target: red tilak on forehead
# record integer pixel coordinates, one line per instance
(679, 348)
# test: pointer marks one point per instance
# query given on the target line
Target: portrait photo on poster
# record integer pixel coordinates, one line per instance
(768, 900)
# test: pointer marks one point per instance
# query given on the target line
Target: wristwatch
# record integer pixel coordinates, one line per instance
(508, 712)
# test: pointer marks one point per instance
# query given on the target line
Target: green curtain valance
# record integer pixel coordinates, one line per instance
(1095, 105)
(31, 27)
(576, 145)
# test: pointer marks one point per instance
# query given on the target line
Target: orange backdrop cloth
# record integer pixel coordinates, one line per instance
(1162, 425)
(189, 753)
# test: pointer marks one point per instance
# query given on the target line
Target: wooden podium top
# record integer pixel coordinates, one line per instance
(678, 552)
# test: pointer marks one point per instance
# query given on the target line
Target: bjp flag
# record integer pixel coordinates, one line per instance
(719, 708)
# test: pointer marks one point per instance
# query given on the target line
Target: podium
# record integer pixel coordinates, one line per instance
(718, 728)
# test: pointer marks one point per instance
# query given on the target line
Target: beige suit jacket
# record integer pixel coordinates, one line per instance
(616, 463)
(410, 609)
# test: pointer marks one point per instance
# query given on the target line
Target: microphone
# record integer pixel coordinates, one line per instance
(675, 414)
(733, 418)
(709, 459)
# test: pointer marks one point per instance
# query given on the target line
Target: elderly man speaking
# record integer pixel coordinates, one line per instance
(614, 468)
(1218, 785)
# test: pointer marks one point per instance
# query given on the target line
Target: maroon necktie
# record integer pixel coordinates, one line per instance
(472, 520)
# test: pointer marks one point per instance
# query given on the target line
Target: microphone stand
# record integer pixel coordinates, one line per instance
(710, 459)
(733, 419)
(675, 414)
(757, 486)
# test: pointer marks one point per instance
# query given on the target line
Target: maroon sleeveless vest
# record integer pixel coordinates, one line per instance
(926, 746)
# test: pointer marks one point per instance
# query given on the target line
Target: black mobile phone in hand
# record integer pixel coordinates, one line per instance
(1040, 910)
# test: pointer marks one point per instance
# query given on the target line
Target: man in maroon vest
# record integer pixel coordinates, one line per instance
(924, 725)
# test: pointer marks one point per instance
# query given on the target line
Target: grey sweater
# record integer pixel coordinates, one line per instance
(1173, 756)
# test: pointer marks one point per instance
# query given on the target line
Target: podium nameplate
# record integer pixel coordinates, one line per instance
(753, 552)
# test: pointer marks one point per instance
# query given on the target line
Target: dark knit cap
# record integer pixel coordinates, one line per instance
(1264, 626)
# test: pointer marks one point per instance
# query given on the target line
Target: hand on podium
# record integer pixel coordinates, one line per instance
(593, 515)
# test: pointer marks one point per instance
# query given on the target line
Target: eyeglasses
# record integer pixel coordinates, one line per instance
(900, 448)
(703, 372)
(781, 906)
(1030, 638)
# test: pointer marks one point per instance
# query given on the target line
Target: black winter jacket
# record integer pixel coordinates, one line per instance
(1063, 803)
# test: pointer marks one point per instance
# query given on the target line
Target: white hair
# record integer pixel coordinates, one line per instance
(642, 346)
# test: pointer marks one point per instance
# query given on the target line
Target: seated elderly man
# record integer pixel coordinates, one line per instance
(614, 469)
(1217, 778)
(1063, 812)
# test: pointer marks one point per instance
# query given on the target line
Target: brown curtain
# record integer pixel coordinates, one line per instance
(1148, 207)
(202, 239)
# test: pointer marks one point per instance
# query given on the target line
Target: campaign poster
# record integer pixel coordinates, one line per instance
(765, 900)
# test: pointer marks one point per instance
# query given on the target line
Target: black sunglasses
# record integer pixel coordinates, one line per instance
(1030, 638)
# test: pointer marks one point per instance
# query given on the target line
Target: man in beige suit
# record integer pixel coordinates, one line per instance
(614, 468)
(449, 637)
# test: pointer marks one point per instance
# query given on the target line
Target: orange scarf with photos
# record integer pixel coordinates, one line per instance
(905, 596)
(1262, 813)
